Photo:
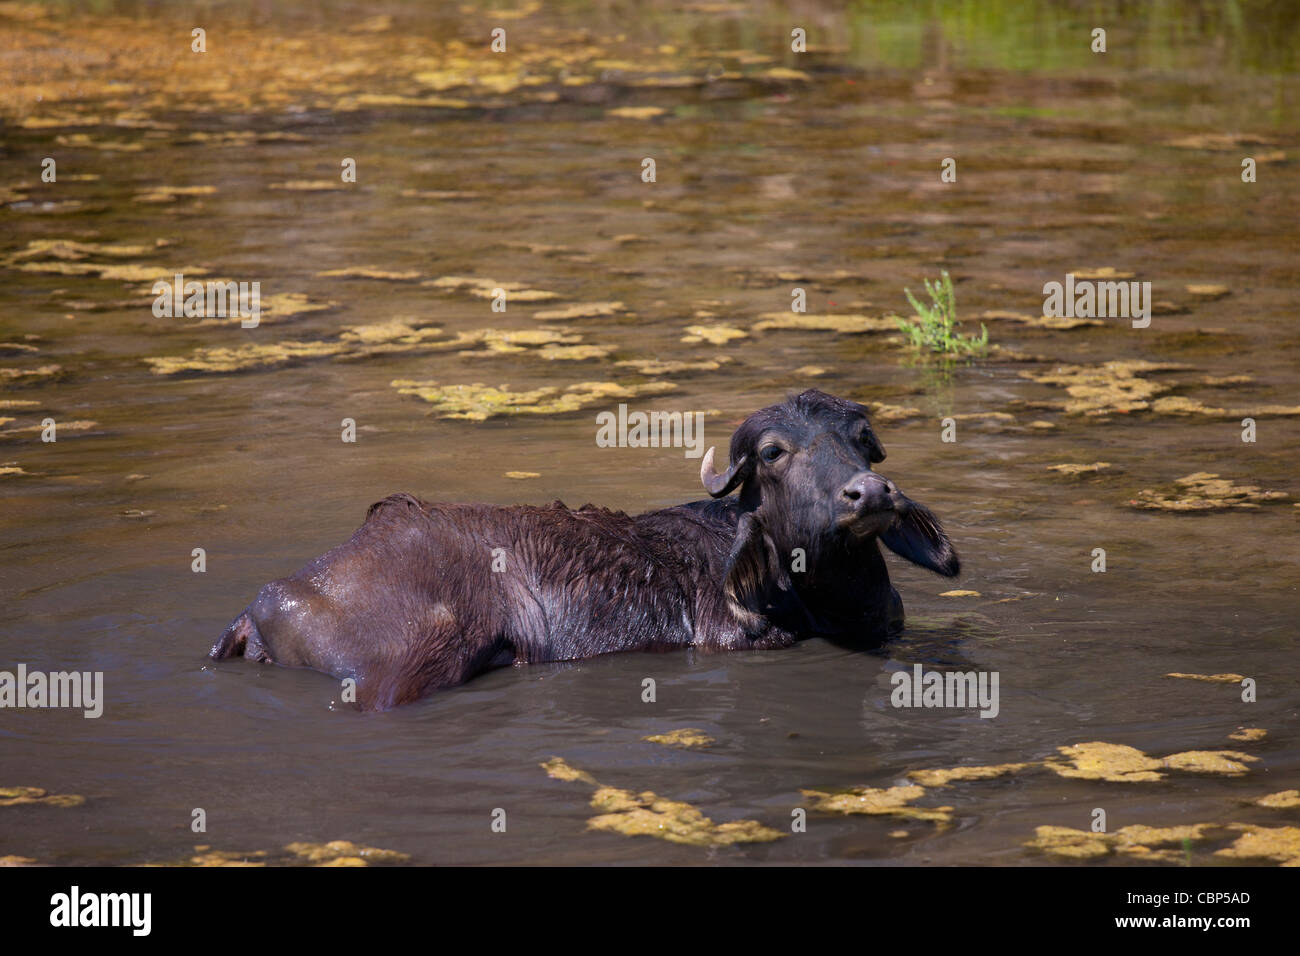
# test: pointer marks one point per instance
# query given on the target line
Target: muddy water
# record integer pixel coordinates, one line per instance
(829, 182)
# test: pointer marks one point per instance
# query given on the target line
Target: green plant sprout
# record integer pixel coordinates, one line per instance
(935, 327)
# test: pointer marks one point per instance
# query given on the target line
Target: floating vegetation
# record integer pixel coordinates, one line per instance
(807, 322)
(1080, 469)
(14, 860)
(1209, 291)
(367, 272)
(521, 475)
(344, 853)
(1285, 800)
(478, 402)
(713, 334)
(636, 112)
(19, 796)
(672, 367)
(1247, 734)
(684, 737)
(647, 814)
(10, 469)
(487, 288)
(308, 185)
(1054, 322)
(960, 593)
(1104, 389)
(79, 425)
(1212, 678)
(894, 801)
(1118, 763)
(1100, 272)
(334, 853)
(942, 778)
(23, 375)
(1280, 844)
(1135, 841)
(165, 194)
(880, 412)
(1205, 491)
(243, 357)
(581, 310)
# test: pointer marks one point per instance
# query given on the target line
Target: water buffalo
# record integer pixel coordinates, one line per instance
(425, 595)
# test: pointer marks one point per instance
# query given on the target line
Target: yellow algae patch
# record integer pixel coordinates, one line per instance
(1229, 763)
(446, 194)
(1181, 405)
(713, 334)
(1283, 800)
(281, 305)
(671, 366)
(1102, 761)
(558, 768)
(1281, 844)
(573, 353)
(960, 593)
(162, 194)
(16, 796)
(636, 112)
(893, 413)
(393, 335)
(16, 861)
(1136, 841)
(523, 474)
(808, 322)
(891, 802)
(477, 402)
(10, 468)
(811, 371)
(243, 357)
(84, 141)
(308, 185)
(487, 288)
(1209, 290)
(1058, 322)
(941, 778)
(1108, 388)
(1248, 734)
(1212, 678)
(72, 249)
(581, 310)
(26, 374)
(1101, 272)
(1072, 470)
(367, 272)
(207, 857)
(80, 425)
(684, 737)
(126, 272)
(344, 850)
(647, 814)
(1205, 491)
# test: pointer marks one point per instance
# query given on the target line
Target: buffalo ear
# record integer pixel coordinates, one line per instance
(753, 571)
(918, 536)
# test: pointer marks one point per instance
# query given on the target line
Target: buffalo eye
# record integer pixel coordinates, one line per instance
(771, 453)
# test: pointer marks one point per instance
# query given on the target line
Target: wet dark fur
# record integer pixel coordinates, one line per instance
(410, 603)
